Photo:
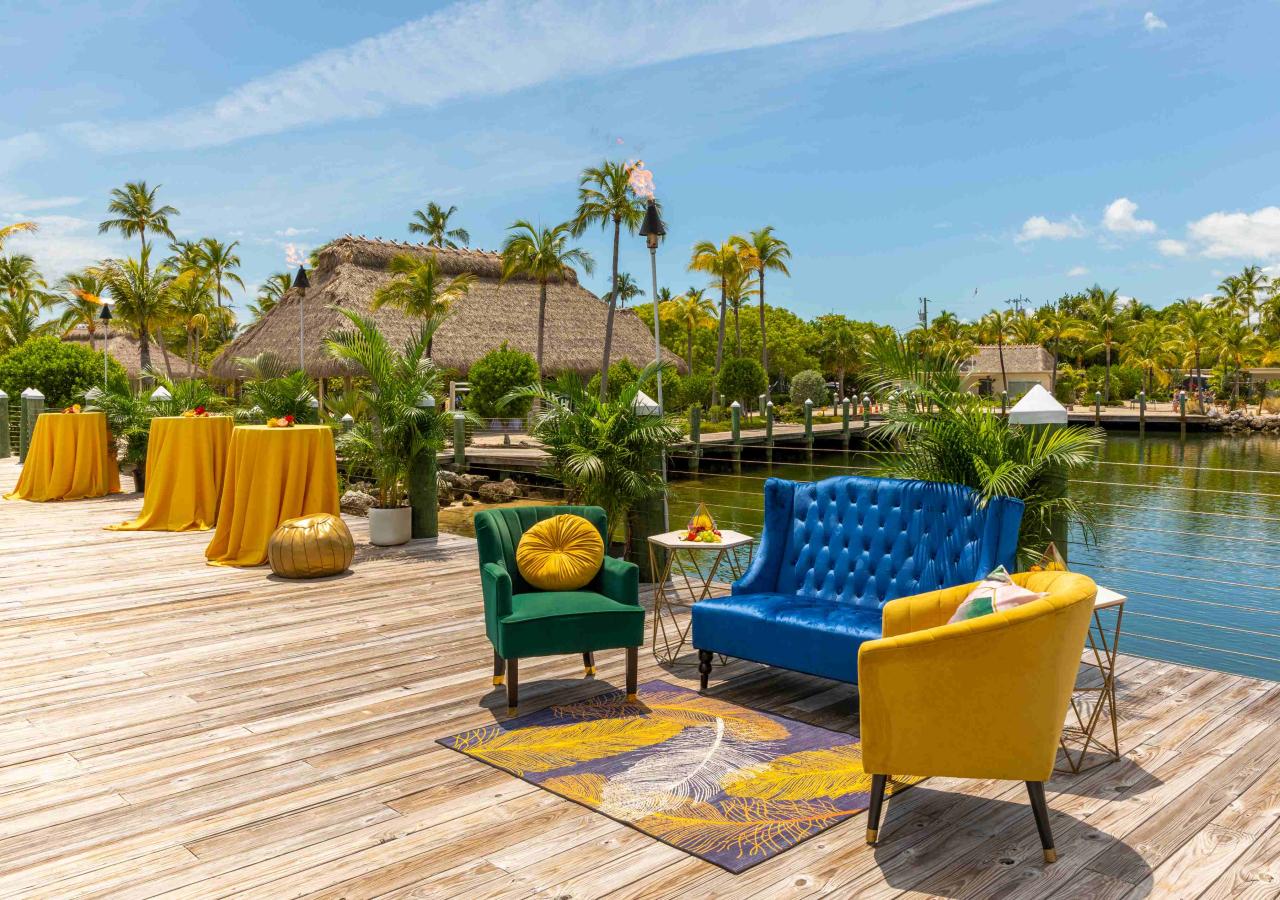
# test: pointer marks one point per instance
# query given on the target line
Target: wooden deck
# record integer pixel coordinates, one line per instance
(170, 729)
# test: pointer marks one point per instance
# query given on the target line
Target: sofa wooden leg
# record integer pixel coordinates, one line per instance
(499, 668)
(878, 784)
(589, 663)
(704, 666)
(1035, 789)
(633, 664)
(513, 686)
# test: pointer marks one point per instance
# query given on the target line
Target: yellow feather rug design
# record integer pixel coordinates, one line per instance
(731, 785)
(808, 775)
(553, 747)
(687, 709)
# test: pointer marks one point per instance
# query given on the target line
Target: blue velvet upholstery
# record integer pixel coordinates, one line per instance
(833, 552)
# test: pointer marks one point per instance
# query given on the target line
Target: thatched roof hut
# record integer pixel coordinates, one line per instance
(124, 349)
(350, 269)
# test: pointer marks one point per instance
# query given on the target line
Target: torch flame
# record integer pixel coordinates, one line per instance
(293, 256)
(640, 179)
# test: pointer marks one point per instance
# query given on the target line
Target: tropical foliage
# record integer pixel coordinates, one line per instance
(602, 449)
(496, 374)
(544, 255)
(61, 371)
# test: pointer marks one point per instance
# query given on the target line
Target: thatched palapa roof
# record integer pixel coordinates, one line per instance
(351, 269)
(124, 349)
(1017, 358)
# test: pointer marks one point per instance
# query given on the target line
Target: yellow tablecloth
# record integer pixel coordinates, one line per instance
(68, 459)
(186, 459)
(272, 474)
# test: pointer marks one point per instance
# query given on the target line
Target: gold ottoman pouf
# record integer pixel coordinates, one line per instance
(311, 547)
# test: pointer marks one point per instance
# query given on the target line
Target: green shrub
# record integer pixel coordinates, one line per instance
(809, 385)
(695, 389)
(1126, 381)
(743, 380)
(60, 370)
(496, 374)
(622, 375)
(1070, 383)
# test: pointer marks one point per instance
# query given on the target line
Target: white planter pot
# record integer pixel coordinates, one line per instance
(390, 527)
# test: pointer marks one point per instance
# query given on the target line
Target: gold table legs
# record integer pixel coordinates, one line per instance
(669, 635)
(1088, 731)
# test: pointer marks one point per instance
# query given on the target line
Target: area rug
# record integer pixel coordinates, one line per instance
(730, 785)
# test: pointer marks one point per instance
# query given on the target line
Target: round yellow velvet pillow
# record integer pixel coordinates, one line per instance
(562, 553)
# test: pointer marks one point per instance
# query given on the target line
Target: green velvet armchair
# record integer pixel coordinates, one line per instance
(523, 621)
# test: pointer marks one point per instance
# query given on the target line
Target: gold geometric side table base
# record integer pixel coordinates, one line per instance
(1085, 731)
(686, 560)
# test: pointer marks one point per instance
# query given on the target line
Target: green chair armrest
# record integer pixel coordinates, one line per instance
(495, 581)
(620, 580)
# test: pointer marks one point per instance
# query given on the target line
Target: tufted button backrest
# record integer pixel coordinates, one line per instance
(865, 541)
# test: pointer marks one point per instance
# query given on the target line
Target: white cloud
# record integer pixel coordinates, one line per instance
(16, 150)
(1119, 218)
(1244, 235)
(478, 48)
(1170, 247)
(24, 206)
(1077, 271)
(1152, 22)
(63, 244)
(293, 232)
(1038, 227)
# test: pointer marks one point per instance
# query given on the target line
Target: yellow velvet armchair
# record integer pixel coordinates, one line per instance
(982, 698)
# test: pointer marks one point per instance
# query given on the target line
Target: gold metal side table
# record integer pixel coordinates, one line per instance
(686, 560)
(1092, 703)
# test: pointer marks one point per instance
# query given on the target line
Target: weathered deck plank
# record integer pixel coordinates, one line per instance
(172, 729)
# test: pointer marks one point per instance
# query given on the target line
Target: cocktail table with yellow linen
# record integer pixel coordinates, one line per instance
(272, 474)
(186, 459)
(68, 459)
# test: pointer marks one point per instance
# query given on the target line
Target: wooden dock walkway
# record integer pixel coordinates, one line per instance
(171, 729)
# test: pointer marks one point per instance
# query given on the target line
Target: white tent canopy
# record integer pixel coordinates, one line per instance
(1037, 407)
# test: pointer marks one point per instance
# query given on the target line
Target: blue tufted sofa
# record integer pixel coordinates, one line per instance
(834, 552)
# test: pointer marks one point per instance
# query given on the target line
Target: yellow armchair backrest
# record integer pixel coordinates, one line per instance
(983, 698)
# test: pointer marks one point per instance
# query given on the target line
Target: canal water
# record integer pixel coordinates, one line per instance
(1189, 532)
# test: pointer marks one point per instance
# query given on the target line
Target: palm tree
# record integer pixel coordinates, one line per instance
(22, 302)
(270, 292)
(1059, 326)
(7, 231)
(1196, 325)
(1252, 284)
(740, 287)
(134, 206)
(840, 353)
(1102, 314)
(1231, 297)
(1150, 347)
(81, 301)
(1236, 345)
(417, 290)
(690, 311)
(434, 223)
(720, 262)
(193, 308)
(627, 289)
(219, 261)
(764, 252)
(993, 328)
(544, 255)
(143, 300)
(605, 198)
(1025, 329)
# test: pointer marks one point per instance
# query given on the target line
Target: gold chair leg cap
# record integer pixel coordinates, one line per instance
(632, 698)
(872, 834)
(1051, 855)
(497, 680)
(511, 710)
(590, 670)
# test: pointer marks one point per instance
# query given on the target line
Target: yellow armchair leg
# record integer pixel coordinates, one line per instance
(872, 834)
(497, 680)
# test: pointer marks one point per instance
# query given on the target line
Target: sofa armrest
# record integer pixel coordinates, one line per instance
(620, 580)
(495, 582)
(921, 611)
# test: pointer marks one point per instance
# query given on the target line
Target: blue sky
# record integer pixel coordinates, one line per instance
(964, 150)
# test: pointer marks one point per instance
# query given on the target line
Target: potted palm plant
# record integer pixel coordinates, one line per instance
(398, 426)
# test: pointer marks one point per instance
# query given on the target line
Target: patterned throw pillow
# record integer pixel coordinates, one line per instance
(562, 553)
(995, 593)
